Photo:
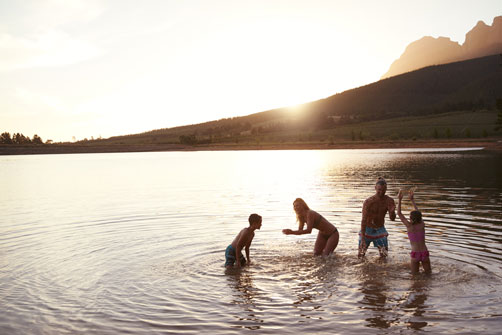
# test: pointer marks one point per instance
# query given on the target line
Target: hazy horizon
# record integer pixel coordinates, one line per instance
(95, 68)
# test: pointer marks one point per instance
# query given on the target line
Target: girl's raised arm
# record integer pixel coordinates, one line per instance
(399, 213)
(412, 198)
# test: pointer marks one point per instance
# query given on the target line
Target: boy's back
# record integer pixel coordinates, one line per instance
(244, 236)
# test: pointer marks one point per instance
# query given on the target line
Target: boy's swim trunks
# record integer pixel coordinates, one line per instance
(230, 256)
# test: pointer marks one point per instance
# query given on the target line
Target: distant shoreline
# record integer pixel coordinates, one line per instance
(494, 144)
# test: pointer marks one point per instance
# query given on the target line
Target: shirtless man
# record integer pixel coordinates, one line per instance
(242, 240)
(372, 223)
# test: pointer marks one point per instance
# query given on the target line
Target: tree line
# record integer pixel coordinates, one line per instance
(498, 122)
(18, 138)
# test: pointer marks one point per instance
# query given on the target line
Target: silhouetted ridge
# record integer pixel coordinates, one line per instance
(480, 41)
(423, 91)
(461, 86)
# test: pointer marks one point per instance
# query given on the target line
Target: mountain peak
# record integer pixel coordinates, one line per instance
(482, 40)
(480, 23)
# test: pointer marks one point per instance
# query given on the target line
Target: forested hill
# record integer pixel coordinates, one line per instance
(455, 86)
(461, 86)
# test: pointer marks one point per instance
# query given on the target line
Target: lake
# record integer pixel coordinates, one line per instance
(133, 243)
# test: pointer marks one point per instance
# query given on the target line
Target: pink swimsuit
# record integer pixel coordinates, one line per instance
(420, 256)
(418, 237)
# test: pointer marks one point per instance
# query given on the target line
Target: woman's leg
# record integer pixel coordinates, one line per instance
(331, 243)
(320, 243)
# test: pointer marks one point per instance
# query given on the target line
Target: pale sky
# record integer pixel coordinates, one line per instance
(82, 68)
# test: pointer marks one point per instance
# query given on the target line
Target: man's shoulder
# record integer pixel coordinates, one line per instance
(371, 199)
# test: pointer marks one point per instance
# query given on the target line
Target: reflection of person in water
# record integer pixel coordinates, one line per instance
(375, 300)
(247, 293)
(379, 304)
(327, 238)
(415, 303)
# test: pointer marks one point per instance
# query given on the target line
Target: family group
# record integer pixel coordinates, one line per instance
(372, 230)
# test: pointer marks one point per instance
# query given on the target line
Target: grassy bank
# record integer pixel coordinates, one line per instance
(449, 126)
(464, 125)
(467, 128)
(493, 144)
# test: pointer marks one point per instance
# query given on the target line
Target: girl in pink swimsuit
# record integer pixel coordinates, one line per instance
(416, 233)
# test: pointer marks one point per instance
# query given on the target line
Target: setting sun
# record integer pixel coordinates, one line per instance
(88, 69)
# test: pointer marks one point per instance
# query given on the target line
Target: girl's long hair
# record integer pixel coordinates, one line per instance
(301, 220)
(416, 217)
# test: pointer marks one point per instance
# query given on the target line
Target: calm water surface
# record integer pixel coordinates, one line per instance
(134, 244)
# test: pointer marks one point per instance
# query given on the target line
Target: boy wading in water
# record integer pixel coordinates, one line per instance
(242, 240)
(416, 234)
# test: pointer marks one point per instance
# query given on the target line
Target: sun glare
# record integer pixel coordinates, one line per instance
(94, 67)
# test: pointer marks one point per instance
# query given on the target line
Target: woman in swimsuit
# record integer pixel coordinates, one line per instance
(416, 234)
(328, 236)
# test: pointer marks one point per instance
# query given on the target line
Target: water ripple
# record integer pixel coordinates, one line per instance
(142, 251)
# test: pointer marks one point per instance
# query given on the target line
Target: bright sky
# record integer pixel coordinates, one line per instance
(82, 68)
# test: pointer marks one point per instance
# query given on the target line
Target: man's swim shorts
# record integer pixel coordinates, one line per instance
(378, 236)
